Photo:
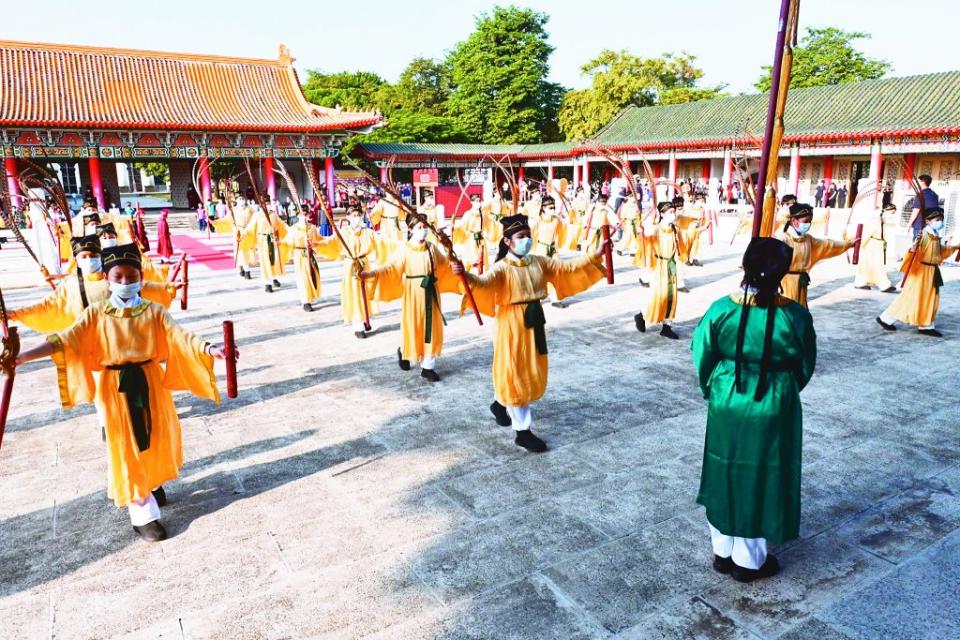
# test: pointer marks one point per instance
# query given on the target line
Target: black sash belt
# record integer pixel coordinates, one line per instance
(804, 278)
(533, 318)
(133, 385)
(83, 288)
(937, 276)
(429, 284)
(271, 250)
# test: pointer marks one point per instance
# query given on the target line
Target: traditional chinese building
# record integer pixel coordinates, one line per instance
(890, 128)
(84, 109)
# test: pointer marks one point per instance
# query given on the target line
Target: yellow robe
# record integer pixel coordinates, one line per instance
(60, 309)
(403, 276)
(807, 251)
(468, 238)
(519, 369)
(244, 244)
(692, 223)
(105, 336)
(665, 252)
(364, 246)
(302, 238)
(549, 236)
(919, 301)
(630, 220)
(269, 232)
(387, 215)
(493, 211)
(532, 209)
(596, 218)
(872, 268)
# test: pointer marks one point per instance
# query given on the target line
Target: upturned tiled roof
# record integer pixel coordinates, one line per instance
(51, 85)
(910, 106)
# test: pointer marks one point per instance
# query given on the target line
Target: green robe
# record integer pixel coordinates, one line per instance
(750, 484)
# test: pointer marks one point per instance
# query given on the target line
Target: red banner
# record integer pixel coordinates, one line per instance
(426, 177)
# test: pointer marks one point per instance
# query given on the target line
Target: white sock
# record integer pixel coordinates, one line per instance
(522, 417)
(144, 512)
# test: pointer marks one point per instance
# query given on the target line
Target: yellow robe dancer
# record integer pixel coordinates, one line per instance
(434, 212)
(872, 268)
(418, 273)
(598, 216)
(919, 301)
(630, 223)
(549, 236)
(387, 214)
(532, 208)
(666, 249)
(307, 244)
(692, 223)
(493, 211)
(511, 291)
(85, 223)
(142, 356)
(469, 239)
(244, 243)
(362, 244)
(269, 232)
(807, 251)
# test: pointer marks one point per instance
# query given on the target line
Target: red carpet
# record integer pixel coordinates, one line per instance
(206, 252)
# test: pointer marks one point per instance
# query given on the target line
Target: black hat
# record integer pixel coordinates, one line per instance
(933, 212)
(127, 254)
(767, 259)
(663, 206)
(89, 243)
(354, 209)
(800, 210)
(889, 207)
(91, 217)
(414, 218)
(678, 202)
(548, 200)
(513, 224)
(602, 197)
(787, 197)
(103, 229)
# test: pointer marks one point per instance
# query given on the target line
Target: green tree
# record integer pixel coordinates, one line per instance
(352, 90)
(827, 56)
(407, 126)
(500, 92)
(423, 86)
(620, 79)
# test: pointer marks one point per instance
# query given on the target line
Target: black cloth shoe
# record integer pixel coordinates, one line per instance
(152, 531)
(243, 273)
(429, 374)
(722, 565)
(559, 304)
(500, 413)
(930, 332)
(865, 287)
(888, 327)
(684, 289)
(890, 289)
(696, 263)
(640, 322)
(268, 288)
(160, 496)
(249, 276)
(404, 364)
(645, 285)
(276, 283)
(307, 307)
(771, 567)
(530, 442)
(667, 332)
(359, 334)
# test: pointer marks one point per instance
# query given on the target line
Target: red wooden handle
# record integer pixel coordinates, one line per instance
(856, 247)
(470, 300)
(186, 285)
(7, 387)
(230, 351)
(607, 253)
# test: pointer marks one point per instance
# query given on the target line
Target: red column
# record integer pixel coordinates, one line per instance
(13, 187)
(727, 179)
(550, 172)
(794, 185)
(521, 173)
(96, 183)
(331, 180)
(672, 173)
(205, 180)
(911, 161)
(705, 168)
(586, 172)
(383, 175)
(876, 159)
(827, 174)
(315, 174)
(606, 173)
(270, 177)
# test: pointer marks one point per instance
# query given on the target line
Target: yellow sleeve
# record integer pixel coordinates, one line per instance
(161, 293)
(326, 247)
(48, 315)
(570, 277)
(223, 225)
(388, 279)
(377, 213)
(76, 354)
(447, 282)
(189, 367)
(486, 289)
(821, 248)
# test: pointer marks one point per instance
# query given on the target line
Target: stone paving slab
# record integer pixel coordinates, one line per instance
(339, 497)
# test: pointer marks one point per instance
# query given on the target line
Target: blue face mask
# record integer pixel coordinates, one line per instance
(89, 265)
(521, 246)
(125, 291)
(804, 228)
(937, 225)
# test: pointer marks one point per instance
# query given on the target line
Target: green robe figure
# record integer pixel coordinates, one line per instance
(754, 352)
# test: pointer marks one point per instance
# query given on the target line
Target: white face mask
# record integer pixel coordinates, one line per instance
(356, 224)
(89, 265)
(108, 242)
(804, 228)
(429, 202)
(521, 246)
(669, 218)
(419, 234)
(125, 291)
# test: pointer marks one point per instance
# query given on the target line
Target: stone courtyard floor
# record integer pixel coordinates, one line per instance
(339, 497)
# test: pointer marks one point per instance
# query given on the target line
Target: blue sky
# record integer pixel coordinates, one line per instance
(731, 38)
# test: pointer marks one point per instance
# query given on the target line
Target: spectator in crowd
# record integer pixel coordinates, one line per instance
(819, 193)
(930, 200)
(842, 195)
(830, 198)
